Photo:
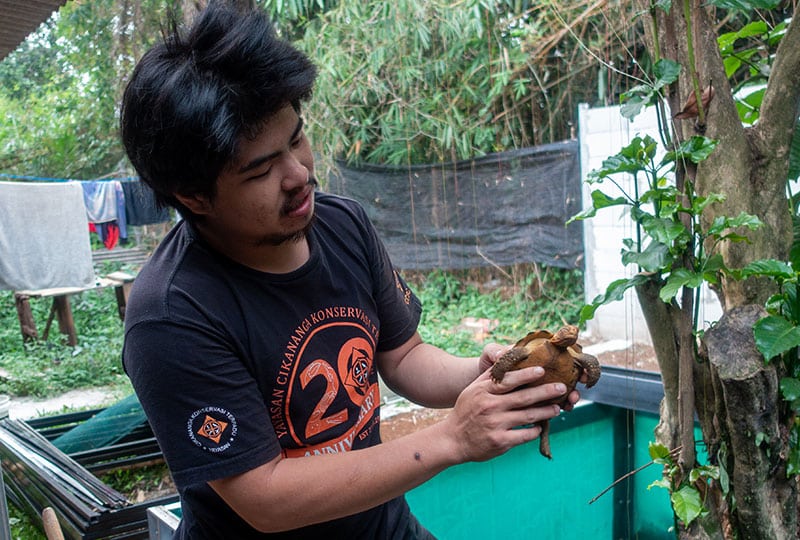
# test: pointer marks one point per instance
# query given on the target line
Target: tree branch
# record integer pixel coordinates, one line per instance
(779, 109)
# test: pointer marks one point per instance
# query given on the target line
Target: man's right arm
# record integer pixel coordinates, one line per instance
(488, 419)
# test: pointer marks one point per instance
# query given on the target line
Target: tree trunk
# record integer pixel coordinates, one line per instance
(665, 344)
(736, 393)
(751, 439)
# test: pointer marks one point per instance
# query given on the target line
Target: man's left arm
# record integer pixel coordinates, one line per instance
(429, 376)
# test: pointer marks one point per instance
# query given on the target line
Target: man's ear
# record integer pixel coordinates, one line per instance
(196, 203)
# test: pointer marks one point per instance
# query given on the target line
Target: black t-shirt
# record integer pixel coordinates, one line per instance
(234, 366)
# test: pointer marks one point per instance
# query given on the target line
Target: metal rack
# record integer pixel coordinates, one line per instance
(37, 475)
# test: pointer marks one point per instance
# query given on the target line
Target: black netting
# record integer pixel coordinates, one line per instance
(500, 209)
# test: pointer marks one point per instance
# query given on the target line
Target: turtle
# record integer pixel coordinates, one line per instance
(563, 361)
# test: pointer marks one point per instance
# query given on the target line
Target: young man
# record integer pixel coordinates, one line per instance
(256, 332)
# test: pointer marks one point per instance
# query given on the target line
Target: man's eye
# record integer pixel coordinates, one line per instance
(260, 175)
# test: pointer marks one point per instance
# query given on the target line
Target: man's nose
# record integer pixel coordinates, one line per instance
(295, 176)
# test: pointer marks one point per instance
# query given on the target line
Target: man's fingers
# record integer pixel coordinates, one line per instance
(519, 377)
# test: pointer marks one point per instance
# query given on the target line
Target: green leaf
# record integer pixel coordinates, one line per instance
(794, 154)
(614, 292)
(721, 223)
(715, 263)
(793, 461)
(768, 267)
(614, 165)
(775, 335)
(599, 201)
(677, 279)
(732, 64)
(695, 150)
(727, 40)
(658, 450)
(794, 252)
(654, 257)
(687, 504)
(706, 471)
(791, 306)
(699, 204)
(632, 105)
(661, 482)
(742, 5)
(724, 479)
(663, 230)
(790, 388)
(663, 5)
(666, 72)
(735, 237)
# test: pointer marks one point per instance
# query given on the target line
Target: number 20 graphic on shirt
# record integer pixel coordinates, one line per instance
(318, 423)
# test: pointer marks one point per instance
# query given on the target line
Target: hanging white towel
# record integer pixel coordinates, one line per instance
(44, 236)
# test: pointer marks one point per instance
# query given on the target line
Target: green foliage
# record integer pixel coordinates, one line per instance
(741, 5)
(447, 298)
(59, 90)
(49, 367)
(665, 72)
(130, 481)
(418, 82)
(22, 528)
(686, 491)
(748, 53)
(59, 118)
(400, 82)
(777, 337)
(668, 222)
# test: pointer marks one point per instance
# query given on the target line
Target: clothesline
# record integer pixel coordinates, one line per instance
(111, 204)
(45, 179)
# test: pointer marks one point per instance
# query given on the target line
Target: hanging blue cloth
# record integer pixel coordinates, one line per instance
(105, 202)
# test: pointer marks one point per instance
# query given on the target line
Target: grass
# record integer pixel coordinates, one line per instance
(512, 301)
(45, 368)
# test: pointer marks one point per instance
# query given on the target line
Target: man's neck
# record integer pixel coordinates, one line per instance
(275, 259)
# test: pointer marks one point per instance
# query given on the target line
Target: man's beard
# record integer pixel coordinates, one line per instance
(279, 239)
(296, 236)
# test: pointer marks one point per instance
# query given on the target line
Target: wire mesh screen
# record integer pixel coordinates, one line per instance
(500, 209)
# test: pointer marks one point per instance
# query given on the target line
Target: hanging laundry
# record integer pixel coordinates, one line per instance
(105, 202)
(44, 236)
(109, 234)
(100, 199)
(140, 204)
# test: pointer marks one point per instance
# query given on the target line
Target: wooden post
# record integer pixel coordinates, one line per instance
(66, 324)
(122, 292)
(26, 322)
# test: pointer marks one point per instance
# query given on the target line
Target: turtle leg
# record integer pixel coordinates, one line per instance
(507, 362)
(544, 439)
(588, 363)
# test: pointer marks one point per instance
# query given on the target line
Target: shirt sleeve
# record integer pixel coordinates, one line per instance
(203, 405)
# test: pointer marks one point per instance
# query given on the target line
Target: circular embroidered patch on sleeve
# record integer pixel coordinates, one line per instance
(212, 428)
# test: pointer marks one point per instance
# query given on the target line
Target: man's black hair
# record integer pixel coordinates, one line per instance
(192, 97)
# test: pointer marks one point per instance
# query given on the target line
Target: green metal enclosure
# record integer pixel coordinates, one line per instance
(522, 495)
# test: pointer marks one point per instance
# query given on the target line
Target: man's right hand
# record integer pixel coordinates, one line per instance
(490, 418)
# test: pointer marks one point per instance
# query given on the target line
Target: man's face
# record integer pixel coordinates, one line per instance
(266, 195)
